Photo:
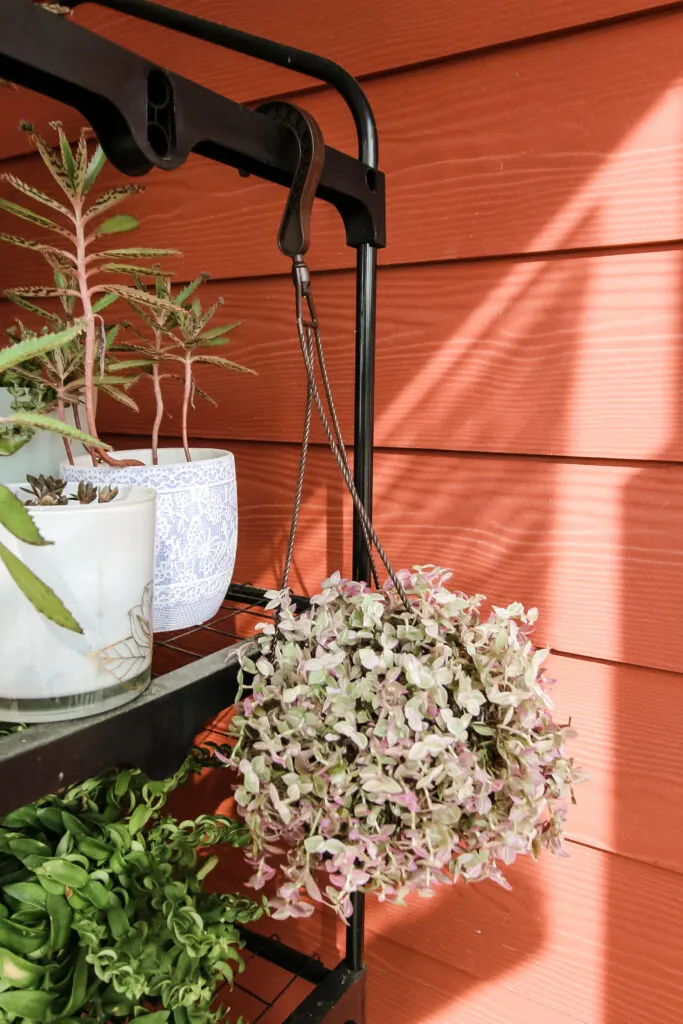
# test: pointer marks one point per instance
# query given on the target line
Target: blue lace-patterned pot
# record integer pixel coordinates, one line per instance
(196, 527)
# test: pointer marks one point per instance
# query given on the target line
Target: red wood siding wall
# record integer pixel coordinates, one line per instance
(529, 428)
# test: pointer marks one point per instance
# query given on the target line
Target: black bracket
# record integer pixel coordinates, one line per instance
(146, 116)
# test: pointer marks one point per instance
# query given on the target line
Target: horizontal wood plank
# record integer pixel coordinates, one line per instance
(347, 34)
(593, 936)
(599, 549)
(511, 153)
(577, 357)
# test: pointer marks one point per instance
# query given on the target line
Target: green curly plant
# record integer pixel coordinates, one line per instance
(103, 912)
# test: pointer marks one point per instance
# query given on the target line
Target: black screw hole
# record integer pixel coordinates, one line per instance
(159, 89)
(161, 133)
(158, 140)
(371, 179)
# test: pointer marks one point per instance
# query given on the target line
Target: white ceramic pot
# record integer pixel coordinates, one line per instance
(101, 565)
(42, 454)
(196, 526)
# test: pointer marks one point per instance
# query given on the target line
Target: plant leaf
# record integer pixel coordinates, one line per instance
(129, 268)
(45, 601)
(120, 396)
(216, 332)
(111, 198)
(30, 1004)
(104, 302)
(26, 243)
(39, 292)
(227, 364)
(138, 253)
(50, 159)
(37, 421)
(30, 307)
(97, 162)
(190, 288)
(15, 518)
(32, 217)
(34, 193)
(119, 223)
(145, 298)
(30, 348)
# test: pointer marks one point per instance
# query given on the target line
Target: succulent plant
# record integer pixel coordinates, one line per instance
(389, 749)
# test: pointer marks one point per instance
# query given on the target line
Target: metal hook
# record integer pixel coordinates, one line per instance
(294, 236)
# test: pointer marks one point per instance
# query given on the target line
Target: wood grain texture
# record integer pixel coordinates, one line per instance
(347, 34)
(564, 357)
(592, 937)
(510, 153)
(599, 549)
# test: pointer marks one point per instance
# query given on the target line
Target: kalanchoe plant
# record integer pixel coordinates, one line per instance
(178, 332)
(85, 274)
(103, 912)
(387, 750)
(170, 329)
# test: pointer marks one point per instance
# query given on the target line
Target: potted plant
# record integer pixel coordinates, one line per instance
(197, 503)
(103, 912)
(384, 748)
(77, 639)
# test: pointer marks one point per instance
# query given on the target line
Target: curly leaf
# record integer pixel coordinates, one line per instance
(121, 397)
(31, 1004)
(43, 599)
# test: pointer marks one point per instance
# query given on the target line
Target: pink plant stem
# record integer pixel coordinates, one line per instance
(186, 404)
(89, 316)
(67, 443)
(159, 410)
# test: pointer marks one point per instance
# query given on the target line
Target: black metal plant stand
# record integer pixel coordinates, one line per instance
(146, 117)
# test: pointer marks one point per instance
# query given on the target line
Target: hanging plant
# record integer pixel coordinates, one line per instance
(103, 913)
(387, 748)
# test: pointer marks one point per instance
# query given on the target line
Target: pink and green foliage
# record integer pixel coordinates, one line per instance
(388, 750)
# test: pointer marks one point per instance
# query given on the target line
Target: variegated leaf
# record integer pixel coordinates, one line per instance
(227, 364)
(50, 159)
(111, 198)
(34, 193)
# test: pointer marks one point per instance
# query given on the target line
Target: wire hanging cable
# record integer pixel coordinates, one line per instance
(302, 284)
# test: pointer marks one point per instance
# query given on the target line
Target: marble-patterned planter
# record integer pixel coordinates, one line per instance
(196, 526)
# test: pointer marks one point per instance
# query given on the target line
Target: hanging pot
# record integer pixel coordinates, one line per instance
(42, 454)
(101, 565)
(196, 526)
